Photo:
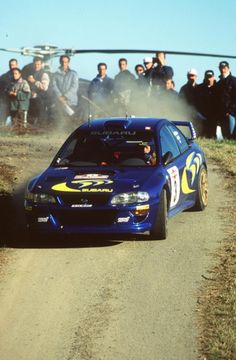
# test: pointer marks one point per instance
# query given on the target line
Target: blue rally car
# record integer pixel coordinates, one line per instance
(119, 175)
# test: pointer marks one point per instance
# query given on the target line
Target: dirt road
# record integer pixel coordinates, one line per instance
(96, 298)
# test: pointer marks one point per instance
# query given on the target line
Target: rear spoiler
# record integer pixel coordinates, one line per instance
(187, 128)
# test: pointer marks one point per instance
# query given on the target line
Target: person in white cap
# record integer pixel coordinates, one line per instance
(188, 91)
(189, 94)
(148, 63)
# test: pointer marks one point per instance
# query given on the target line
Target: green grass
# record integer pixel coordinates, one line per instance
(217, 300)
(222, 152)
(6, 179)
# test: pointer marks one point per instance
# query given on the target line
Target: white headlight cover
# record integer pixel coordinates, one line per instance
(130, 198)
(40, 198)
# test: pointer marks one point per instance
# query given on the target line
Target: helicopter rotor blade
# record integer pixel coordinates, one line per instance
(133, 51)
(47, 51)
(35, 51)
(24, 51)
(11, 50)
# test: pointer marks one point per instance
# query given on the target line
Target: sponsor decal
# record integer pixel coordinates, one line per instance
(81, 205)
(191, 169)
(142, 207)
(84, 186)
(113, 133)
(123, 219)
(43, 219)
(90, 176)
(96, 190)
(174, 185)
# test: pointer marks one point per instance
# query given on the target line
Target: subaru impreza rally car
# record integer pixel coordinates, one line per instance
(119, 175)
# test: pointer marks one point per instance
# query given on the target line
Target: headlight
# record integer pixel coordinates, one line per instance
(40, 198)
(130, 198)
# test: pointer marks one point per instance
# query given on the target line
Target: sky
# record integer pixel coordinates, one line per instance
(205, 26)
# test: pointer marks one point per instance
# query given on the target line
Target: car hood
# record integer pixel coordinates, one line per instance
(94, 180)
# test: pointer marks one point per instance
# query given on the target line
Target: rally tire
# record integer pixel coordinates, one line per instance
(202, 190)
(159, 229)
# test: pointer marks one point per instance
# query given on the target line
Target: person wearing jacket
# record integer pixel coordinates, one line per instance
(19, 98)
(39, 82)
(5, 81)
(124, 85)
(100, 91)
(65, 88)
(207, 103)
(161, 72)
(226, 89)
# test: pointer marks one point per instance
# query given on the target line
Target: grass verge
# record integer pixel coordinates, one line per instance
(6, 179)
(217, 299)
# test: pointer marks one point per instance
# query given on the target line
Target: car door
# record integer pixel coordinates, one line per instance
(172, 140)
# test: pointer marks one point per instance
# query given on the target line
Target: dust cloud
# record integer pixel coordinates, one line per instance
(165, 105)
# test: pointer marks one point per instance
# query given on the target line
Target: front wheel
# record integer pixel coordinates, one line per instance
(159, 229)
(202, 190)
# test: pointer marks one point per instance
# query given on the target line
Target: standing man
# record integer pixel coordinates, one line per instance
(100, 90)
(39, 82)
(65, 88)
(188, 94)
(124, 84)
(188, 91)
(207, 103)
(19, 97)
(5, 81)
(226, 89)
(148, 63)
(161, 72)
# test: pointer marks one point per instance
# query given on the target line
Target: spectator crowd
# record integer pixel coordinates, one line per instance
(34, 96)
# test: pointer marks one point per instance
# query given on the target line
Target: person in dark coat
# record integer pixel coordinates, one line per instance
(188, 91)
(39, 81)
(19, 98)
(148, 63)
(124, 86)
(5, 81)
(161, 72)
(226, 91)
(207, 103)
(100, 90)
(188, 95)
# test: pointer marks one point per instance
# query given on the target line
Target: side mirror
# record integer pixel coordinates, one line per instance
(167, 158)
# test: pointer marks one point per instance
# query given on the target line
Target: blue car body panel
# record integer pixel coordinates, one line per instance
(79, 194)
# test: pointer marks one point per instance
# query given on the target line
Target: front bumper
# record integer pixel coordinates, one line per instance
(67, 220)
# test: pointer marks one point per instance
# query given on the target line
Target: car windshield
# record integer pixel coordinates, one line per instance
(128, 148)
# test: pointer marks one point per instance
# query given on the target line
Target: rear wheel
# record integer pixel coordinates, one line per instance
(159, 229)
(202, 190)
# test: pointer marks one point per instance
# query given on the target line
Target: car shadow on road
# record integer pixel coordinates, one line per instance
(60, 242)
(14, 233)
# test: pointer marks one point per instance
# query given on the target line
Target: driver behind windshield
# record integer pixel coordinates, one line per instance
(149, 155)
(112, 151)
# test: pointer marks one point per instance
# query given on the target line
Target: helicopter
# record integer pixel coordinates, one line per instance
(48, 52)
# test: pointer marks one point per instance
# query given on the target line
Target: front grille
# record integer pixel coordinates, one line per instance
(98, 199)
(91, 217)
